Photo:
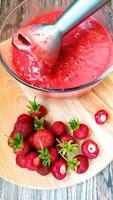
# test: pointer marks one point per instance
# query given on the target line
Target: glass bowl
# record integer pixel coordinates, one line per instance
(27, 10)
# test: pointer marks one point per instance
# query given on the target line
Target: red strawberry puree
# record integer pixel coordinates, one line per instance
(85, 54)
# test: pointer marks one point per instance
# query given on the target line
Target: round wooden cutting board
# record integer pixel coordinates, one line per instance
(13, 102)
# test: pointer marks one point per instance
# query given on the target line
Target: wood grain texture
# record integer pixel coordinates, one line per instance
(6, 6)
(13, 102)
(98, 188)
(89, 190)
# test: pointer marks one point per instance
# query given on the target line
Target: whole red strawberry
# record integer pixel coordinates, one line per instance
(80, 131)
(53, 154)
(30, 140)
(36, 110)
(25, 126)
(90, 149)
(46, 124)
(33, 162)
(101, 117)
(21, 160)
(24, 149)
(18, 144)
(67, 138)
(43, 139)
(83, 164)
(44, 170)
(59, 169)
(58, 128)
(24, 117)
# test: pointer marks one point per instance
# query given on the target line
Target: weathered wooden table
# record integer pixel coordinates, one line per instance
(98, 188)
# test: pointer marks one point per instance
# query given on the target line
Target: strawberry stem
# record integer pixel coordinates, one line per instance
(67, 150)
(38, 123)
(33, 106)
(45, 156)
(74, 124)
(17, 141)
(72, 164)
(62, 156)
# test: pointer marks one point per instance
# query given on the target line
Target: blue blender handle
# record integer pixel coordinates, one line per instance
(78, 11)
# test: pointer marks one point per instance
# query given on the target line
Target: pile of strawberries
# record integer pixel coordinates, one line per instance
(46, 148)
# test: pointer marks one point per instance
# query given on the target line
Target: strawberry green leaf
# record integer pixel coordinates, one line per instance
(72, 164)
(33, 106)
(67, 148)
(38, 123)
(17, 142)
(45, 156)
(67, 151)
(74, 124)
(67, 154)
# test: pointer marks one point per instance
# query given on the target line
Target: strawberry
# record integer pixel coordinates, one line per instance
(26, 127)
(19, 145)
(44, 170)
(90, 149)
(42, 111)
(30, 139)
(24, 117)
(48, 156)
(58, 128)
(82, 165)
(33, 162)
(36, 110)
(12, 135)
(43, 139)
(21, 160)
(53, 154)
(46, 124)
(101, 117)
(80, 131)
(24, 149)
(67, 138)
(59, 169)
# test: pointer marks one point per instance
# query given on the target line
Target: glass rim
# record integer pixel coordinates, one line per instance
(67, 90)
